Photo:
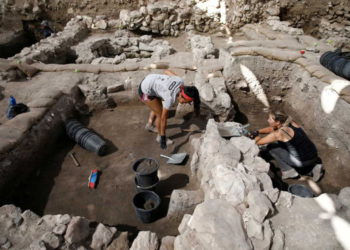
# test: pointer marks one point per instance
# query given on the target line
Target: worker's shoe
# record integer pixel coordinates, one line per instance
(151, 128)
(317, 172)
(168, 141)
(289, 174)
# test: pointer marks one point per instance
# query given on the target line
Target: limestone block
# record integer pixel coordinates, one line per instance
(218, 84)
(77, 230)
(256, 164)
(259, 205)
(224, 101)
(59, 229)
(146, 47)
(114, 23)
(38, 245)
(266, 241)
(29, 217)
(51, 240)
(145, 240)
(278, 240)
(344, 197)
(228, 184)
(120, 243)
(210, 221)
(102, 236)
(183, 110)
(101, 24)
(285, 199)
(64, 219)
(184, 223)
(254, 229)
(167, 243)
(124, 16)
(265, 181)
(183, 201)
(206, 92)
(121, 41)
(273, 194)
(245, 145)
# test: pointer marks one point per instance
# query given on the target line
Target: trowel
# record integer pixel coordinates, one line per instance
(175, 158)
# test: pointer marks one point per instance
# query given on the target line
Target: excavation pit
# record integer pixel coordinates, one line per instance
(60, 187)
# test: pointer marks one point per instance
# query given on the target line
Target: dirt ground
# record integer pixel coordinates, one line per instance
(60, 187)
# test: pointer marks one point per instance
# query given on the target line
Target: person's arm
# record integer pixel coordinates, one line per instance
(169, 73)
(266, 130)
(272, 137)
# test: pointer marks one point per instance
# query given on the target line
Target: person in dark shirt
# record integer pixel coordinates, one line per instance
(45, 29)
(288, 144)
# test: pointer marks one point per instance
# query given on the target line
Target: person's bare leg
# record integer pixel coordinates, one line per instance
(156, 107)
(151, 118)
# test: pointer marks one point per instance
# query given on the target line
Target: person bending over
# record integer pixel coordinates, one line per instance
(168, 88)
(288, 144)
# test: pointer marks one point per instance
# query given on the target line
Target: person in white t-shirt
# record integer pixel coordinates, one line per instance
(168, 88)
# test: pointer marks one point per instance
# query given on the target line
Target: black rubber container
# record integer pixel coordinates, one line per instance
(85, 137)
(300, 190)
(337, 63)
(146, 204)
(143, 188)
(146, 170)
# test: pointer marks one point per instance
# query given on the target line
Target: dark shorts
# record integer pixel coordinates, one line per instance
(144, 97)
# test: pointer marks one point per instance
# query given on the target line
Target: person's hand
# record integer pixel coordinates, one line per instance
(163, 142)
(253, 134)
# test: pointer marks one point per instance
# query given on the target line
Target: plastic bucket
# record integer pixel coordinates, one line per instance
(300, 190)
(142, 188)
(146, 204)
(94, 143)
(85, 137)
(146, 170)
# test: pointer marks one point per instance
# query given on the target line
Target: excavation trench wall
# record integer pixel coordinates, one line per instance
(302, 97)
(19, 160)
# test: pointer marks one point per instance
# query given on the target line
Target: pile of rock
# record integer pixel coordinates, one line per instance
(55, 49)
(242, 210)
(115, 49)
(24, 230)
(169, 18)
(242, 12)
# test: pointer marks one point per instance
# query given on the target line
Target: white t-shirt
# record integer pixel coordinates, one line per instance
(162, 86)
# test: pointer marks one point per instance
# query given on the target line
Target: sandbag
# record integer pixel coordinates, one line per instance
(338, 62)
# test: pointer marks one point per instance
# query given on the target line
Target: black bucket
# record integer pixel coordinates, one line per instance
(85, 137)
(142, 188)
(146, 204)
(300, 190)
(146, 170)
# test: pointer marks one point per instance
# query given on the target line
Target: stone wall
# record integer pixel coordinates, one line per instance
(26, 230)
(242, 210)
